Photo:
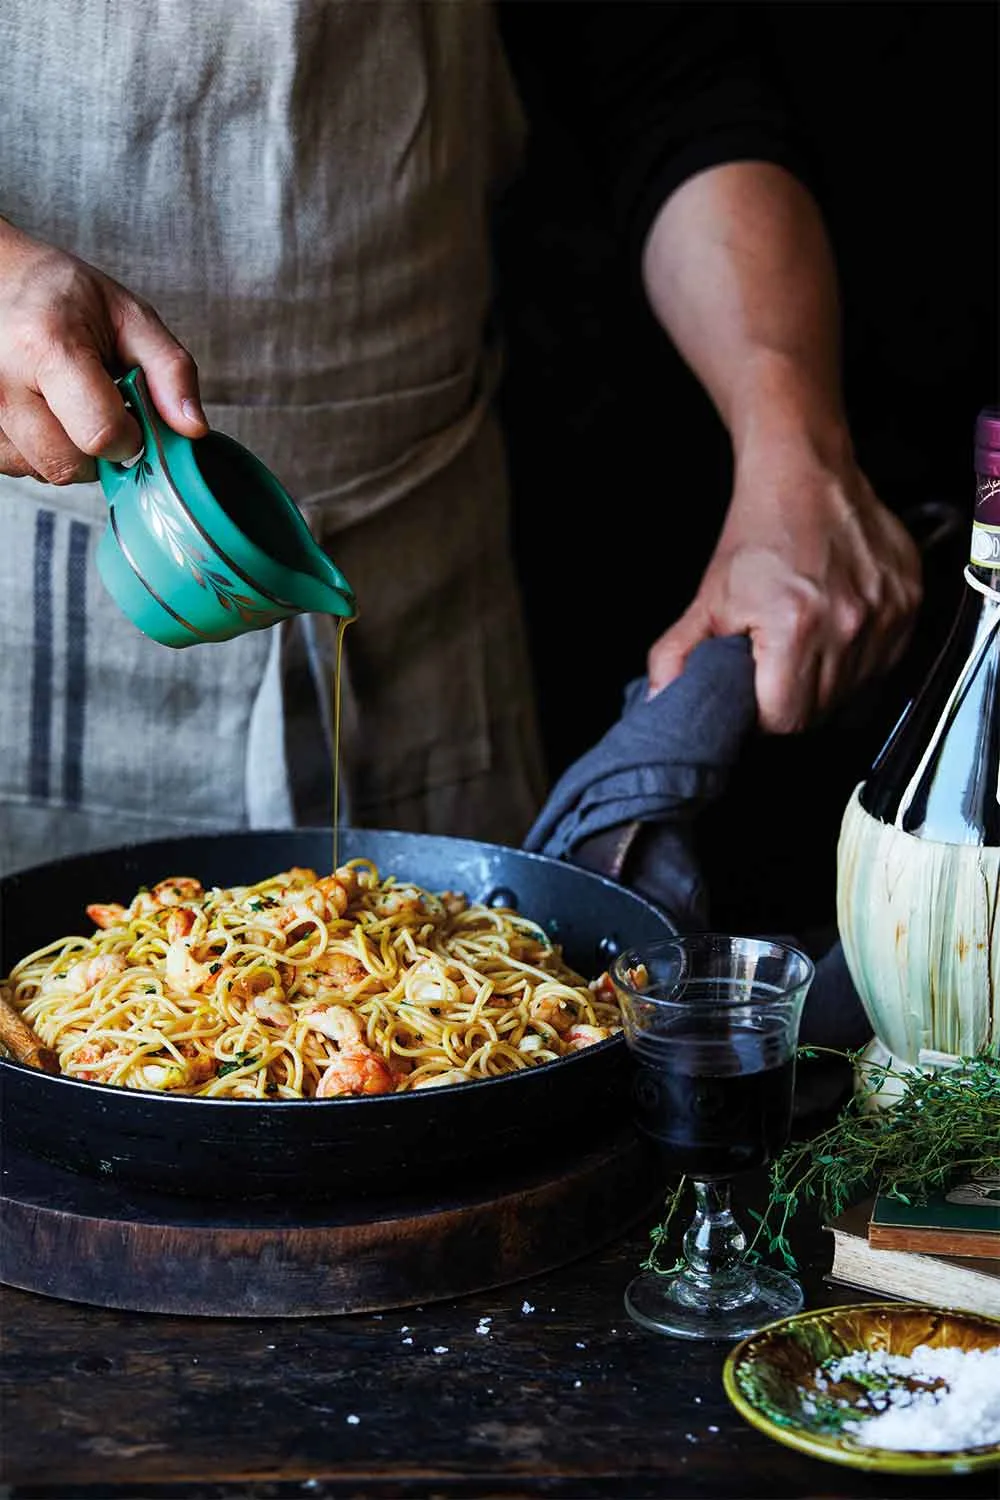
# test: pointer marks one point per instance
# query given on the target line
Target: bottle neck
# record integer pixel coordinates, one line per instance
(983, 570)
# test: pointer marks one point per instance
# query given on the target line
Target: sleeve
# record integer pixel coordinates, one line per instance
(653, 92)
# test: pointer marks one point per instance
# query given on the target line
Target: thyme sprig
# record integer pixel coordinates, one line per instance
(944, 1124)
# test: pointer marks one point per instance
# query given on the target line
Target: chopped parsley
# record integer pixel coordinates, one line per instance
(241, 1060)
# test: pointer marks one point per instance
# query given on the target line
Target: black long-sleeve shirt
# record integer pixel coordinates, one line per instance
(653, 92)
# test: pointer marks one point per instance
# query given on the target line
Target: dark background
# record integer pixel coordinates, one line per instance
(620, 467)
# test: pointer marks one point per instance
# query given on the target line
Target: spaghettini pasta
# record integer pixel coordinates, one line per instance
(301, 987)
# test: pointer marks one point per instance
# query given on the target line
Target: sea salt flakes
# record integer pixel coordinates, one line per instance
(957, 1404)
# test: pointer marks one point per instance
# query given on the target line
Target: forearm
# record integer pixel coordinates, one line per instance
(739, 272)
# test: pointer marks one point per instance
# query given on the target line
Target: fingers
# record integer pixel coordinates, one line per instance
(788, 688)
(85, 408)
(65, 331)
(13, 462)
(171, 374)
(667, 656)
(40, 446)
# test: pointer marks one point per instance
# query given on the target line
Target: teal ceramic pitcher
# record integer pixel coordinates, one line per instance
(203, 543)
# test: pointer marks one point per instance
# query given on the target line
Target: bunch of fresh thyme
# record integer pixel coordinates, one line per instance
(944, 1123)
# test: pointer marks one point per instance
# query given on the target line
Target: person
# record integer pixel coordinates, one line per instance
(283, 214)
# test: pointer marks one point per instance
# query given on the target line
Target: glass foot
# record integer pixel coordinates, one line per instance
(739, 1306)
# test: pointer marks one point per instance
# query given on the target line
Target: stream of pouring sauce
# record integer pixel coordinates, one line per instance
(342, 624)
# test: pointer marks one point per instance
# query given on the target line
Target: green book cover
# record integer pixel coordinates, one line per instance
(964, 1206)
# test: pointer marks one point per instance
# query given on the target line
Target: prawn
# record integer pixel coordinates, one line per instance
(578, 1037)
(88, 972)
(176, 891)
(356, 1069)
(88, 1061)
(182, 970)
(338, 1023)
(552, 1010)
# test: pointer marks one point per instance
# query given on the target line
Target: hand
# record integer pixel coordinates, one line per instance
(64, 327)
(824, 579)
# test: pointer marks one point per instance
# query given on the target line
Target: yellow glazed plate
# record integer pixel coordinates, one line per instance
(771, 1379)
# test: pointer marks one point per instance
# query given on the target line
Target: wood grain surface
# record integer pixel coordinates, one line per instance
(86, 1239)
(541, 1388)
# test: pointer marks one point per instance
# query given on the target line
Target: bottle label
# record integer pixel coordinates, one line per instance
(985, 549)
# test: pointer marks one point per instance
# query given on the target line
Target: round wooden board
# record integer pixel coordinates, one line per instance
(92, 1240)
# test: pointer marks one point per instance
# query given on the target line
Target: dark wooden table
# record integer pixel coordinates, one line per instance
(543, 1388)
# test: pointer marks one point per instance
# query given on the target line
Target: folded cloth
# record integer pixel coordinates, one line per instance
(665, 759)
(629, 806)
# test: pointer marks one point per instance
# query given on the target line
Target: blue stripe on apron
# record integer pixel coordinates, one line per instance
(76, 660)
(40, 721)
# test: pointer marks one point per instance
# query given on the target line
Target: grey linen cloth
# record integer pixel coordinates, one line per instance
(629, 807)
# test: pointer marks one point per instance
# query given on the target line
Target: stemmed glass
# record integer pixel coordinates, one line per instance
(712, 1024)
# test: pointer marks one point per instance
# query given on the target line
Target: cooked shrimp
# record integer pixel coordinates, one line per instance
(182, 970)
(88, 972)
(272, 1010)
(339, 969)
(338, 1023)
(105, 916)
(405, 903)
(603, 989)
(335, 893)
(87, 1062)
(177, 890)
(180, 922)
(578, 1037)
(553, 1010)
(357, 1071)
(173, 892)
(168, 1073)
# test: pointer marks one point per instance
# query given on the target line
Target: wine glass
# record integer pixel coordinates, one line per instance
(712, 1023)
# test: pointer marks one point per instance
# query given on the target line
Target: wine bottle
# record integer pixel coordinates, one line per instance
(918, 859)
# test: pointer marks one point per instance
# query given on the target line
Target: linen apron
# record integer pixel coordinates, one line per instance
(302, 190)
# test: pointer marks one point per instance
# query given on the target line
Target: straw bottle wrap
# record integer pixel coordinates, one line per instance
(918, 860)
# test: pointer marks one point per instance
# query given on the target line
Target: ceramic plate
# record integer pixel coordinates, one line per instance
(771, 1379)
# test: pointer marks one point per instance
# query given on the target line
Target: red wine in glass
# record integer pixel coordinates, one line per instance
(716, 1098)
(711, 1022)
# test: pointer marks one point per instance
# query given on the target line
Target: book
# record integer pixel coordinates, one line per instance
(960, 1282)
(963, 1221)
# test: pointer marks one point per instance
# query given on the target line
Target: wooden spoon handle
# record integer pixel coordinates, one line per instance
(24, 1044)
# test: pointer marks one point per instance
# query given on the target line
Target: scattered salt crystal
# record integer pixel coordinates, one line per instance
(577, 1384)
(407, 1341)
(955, 1405)
(697, 1400)
(690, 1437)
(580, 1346)
(713, 1429)
(353, 1420)
(440, 1348)
(526, 1307)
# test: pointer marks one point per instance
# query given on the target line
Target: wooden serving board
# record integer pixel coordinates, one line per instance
(90, 1240)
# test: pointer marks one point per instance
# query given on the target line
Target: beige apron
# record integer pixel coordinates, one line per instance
(302, 190)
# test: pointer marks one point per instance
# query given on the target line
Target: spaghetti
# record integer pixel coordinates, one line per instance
(300, 987)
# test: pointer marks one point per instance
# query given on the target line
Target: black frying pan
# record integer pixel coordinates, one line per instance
(322, 1147)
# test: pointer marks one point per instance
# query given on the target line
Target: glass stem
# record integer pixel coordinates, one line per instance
(714, 1242)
